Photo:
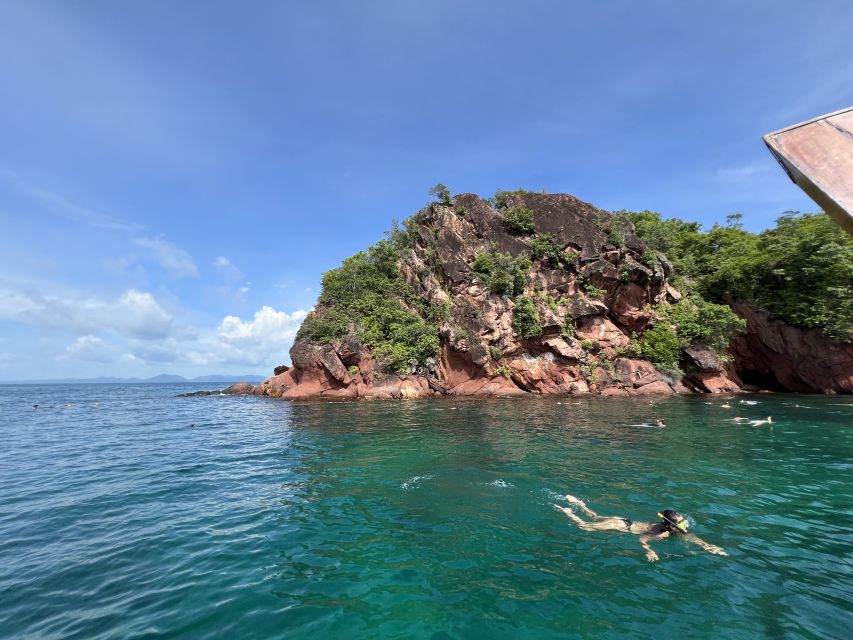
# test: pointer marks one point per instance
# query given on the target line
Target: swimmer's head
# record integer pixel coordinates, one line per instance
(673, 521)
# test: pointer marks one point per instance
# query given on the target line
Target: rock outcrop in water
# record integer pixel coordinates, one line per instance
(236, 389)
(534, 294)
(565, 328)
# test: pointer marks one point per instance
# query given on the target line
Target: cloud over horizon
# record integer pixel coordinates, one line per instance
(136, 329)
(134, 314)
(90, 348)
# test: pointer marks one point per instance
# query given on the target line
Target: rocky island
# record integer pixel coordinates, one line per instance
(534, 293)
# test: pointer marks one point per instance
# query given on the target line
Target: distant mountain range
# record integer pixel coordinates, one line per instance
(163, 377)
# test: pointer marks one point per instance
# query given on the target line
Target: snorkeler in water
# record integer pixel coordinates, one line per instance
(672, 523)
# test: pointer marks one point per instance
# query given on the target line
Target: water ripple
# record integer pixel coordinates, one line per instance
(131, 513)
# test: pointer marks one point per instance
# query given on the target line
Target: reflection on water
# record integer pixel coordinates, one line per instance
(210, 517)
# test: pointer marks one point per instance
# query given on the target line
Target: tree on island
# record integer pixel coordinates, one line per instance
(442, 193)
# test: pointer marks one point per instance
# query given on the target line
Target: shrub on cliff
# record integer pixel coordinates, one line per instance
(403, 338)
(682, 242)
(801, 271)
(616, 229)
(324, 326)
(365, 295)
(501, 198)
(544, 248)
(659, 345)
(501, 273)
(525, 320)
(699, 322)
(519, 220)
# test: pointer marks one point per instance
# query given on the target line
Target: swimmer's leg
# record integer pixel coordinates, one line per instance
(604, 523)
(576, 519)
(610, 523)
(582, 505)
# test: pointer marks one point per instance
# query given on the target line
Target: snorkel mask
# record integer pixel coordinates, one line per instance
(681, 527)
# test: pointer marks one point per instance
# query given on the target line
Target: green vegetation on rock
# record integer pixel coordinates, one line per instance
(699, 322)
(501, 273)
(806, 275)
(594, 292)
(501, 198)
(616, 227)
(660, 346)
(519, 220)
(526, 321)
(503, 371)
(800, 271)
(544, 247)
(366, 295)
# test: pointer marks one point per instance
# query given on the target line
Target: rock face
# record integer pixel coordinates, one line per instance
(706, 372)
(588, 306)
(776, 356)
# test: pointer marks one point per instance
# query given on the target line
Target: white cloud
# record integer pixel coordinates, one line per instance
(136, 325)
(167, 255)
(90, 348)
(259, 341)
(139, 315)
(268, 323)
(135, 314)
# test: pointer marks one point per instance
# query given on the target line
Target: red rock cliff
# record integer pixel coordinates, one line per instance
(776, 356)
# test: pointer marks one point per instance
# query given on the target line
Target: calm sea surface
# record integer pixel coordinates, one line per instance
(126, 513)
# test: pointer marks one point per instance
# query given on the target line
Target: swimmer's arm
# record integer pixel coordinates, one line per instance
(645, 539)
(710, 548)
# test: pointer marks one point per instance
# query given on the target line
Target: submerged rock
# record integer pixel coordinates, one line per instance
(236, 389)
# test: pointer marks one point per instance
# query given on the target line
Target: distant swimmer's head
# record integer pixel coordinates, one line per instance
(673, 521)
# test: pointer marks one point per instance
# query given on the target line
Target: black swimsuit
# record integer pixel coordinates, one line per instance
(628, 523)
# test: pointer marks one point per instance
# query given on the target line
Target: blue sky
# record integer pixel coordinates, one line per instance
(175, 177)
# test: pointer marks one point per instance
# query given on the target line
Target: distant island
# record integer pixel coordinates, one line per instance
(530, 293)
(163, 377)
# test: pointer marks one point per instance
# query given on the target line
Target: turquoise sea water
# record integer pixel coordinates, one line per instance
(127, 513)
